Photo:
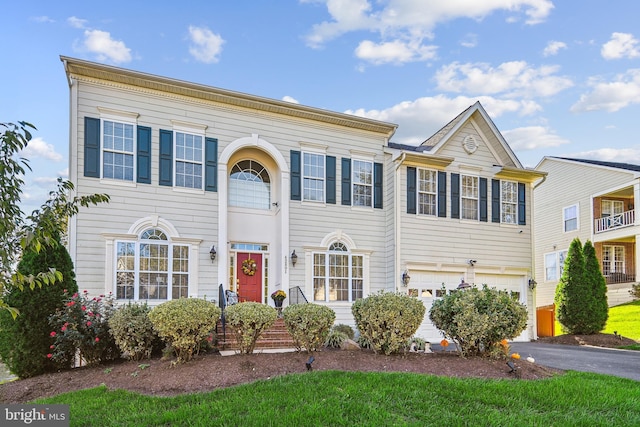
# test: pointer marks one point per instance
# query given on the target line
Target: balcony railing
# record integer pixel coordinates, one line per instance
(626, 277)
(615, 221)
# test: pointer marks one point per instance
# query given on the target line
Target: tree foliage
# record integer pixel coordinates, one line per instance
(597, 306)
(20, 234)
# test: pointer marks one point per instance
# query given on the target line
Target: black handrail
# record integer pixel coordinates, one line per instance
(296, 296)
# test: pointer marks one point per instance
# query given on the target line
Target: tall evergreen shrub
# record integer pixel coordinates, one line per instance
(572, 292)
(25, 341)
(597, 306)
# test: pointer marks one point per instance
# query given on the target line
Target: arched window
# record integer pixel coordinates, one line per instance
(338, 275)
(151, 268)
(249, 185)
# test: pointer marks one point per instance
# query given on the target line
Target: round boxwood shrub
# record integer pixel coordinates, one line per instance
(308, 324)
(476, 320)
(184, 323)
(248, 320)
(133, 331)
(387, 320)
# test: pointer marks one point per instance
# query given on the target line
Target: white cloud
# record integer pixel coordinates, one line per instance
(38, 148)
(43, 18)
(622, 155)
(553, 47)
(621, 45)
(206, 46)
(290, 99)
(469, 41)
(45, 181)
(395, 51)
(611, 96)
(532, 137)
(421, 118)
(105, 48)
(76, 22)
(515, 78)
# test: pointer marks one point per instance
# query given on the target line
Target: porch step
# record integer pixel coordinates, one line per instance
(276, 336)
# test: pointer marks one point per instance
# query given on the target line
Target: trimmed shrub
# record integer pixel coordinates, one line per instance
(476, 320)
(345, 329)
(420, 343)
(133, 331)
(387, 320)
(596, 284)
(184, 323)
(83, 326)
(26, 341)
(635, 291)
(308, 324)
(248, 321)
(335, 339)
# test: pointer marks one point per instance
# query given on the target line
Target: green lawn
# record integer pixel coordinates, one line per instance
(624, 318)
(332, 398)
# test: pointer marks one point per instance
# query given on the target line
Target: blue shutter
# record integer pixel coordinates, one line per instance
(331, 179)
(92, 147)
(296, 184)
(455, 195)
(522, 205)
(442, 194)
(495, 200)
(166, 158)
(411, 190)
(377, 185)
(483, 199)
(210, 164)
(144, 155)
(346, 181)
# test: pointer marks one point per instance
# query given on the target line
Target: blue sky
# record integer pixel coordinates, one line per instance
(557, 79)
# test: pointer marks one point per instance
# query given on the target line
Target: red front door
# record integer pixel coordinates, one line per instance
(249, 276)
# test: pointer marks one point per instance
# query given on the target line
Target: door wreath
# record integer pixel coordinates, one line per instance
(249, 267)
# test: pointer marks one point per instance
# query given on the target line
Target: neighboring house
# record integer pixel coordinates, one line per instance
(591, 200)
(210, 186)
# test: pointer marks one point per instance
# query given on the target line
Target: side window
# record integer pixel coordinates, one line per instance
(469, 192)
(313, 177)
(550, 267)
(509, 202)
(427, 192)
(189, 155)
(570, 218)
(118, 150)
(362, 183)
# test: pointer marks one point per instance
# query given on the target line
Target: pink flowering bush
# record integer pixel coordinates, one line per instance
(82, 325)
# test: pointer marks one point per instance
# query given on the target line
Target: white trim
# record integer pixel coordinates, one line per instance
(119, 115)
(577, 217)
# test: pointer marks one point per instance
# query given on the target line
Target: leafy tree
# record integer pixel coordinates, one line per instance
(19, 235)
(26, 341)
(572, 292)
(597, 307)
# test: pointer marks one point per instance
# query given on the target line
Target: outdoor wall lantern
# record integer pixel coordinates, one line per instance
(532, 284)
(463, 285)
(294, 258)
(212, 253)
(405, 277)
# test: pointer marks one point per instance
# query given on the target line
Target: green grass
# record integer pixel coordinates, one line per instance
(623, 318)
(372, 399)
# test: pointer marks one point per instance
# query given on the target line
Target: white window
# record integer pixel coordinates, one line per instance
(118, 150)
(249, 186)
(338, 275)
(469, 195)
(554, 265)
(151, 268)
(509, 202)
(188, 160)
(313, 175)
(362, 183)
(427, 192)
(612, 259)
(570, 218)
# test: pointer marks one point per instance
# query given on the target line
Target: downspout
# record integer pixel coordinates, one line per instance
(396, 221)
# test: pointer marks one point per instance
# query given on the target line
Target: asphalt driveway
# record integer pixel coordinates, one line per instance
(620, 363)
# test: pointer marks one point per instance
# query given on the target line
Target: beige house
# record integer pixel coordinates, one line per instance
(212, 187)
(591, 200)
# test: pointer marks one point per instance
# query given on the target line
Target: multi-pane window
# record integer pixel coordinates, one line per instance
(118, 148)
(427, 192)
(313, 174)
(338, 275)
(509, 202)
(189, 160)
(570, 218)
(554, 265)
(249, 186)
(152, 268)
(612, 259)
(469, 196)
(362, 183)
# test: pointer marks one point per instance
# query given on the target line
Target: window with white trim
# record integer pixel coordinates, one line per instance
(554, 265)
(427, 192)
(118, 150)
(151, 268)
(362, 183)
(469, 196)
(338, 275)
(189, 155)
(249, 185)
(612, 259)
(570, 218)
(313, 177)
(509, 202)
